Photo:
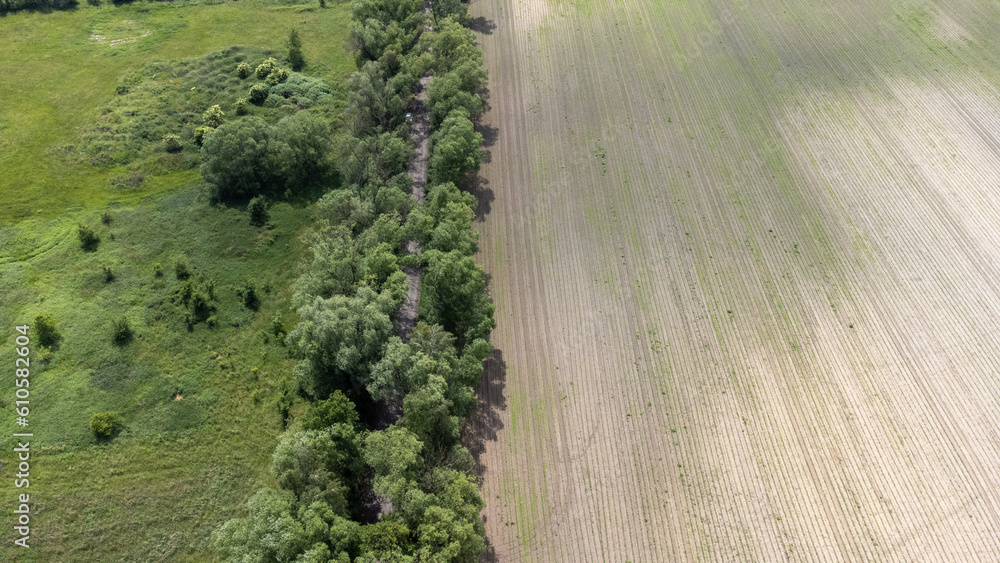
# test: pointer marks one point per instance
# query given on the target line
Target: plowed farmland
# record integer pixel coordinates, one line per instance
(746, 261)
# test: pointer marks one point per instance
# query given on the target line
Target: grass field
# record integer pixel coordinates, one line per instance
(745, 263)
(200, 399)
(59, 67)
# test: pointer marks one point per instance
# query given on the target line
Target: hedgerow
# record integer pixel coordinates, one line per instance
(348, 357)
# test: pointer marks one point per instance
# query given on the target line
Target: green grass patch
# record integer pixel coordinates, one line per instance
(197, 393)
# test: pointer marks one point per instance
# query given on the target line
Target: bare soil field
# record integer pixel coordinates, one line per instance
(746, 261)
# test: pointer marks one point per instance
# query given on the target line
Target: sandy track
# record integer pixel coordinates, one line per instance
(746, 266)
(406, 317)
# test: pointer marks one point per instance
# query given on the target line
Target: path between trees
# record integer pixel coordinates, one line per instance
(406, 318)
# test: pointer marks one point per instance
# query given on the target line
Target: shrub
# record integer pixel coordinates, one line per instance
(181, 268)
(43, 354)
(121, 331)
(243, 70)
(257, 208)
(186, 290)
(200, 306)
(277, 327)
(277, 76)
(265, 68)
(322, 3)
(106, 218)
(109, 275)
(157, 270)
(307, 91)
(248, 294)
(258, 93)
(213, 116)
(106, 425)
(45, 327)
(172, 142)
(200, 132)
(88, 238)
(241, 106)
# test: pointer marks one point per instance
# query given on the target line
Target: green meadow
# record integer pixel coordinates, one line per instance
(201, 387)
(59, 67)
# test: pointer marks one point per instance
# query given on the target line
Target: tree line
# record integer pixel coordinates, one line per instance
(11, 6)
(352, 285)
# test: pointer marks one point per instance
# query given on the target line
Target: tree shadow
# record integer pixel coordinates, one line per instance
(485, 423)
(491, 555)
(482, 25)
(479, 187)
(490, 134)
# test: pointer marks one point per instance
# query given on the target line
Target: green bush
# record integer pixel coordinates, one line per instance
(109, 275)
(248, 294)
(106, 425)
(121, 331)
(172, 143)
(258, 93)
(265, 68)
(243, 70)
(277, 76)
(45, 328)
(241, 106)
(200, 306)
(307, 91)
(88, 238)
(157, 270)
(181, 268)
(257, 209)
(200, 132)
(213, 116)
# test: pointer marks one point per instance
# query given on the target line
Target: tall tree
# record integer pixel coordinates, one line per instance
(338, 337)
(454, 149)
(455, 289)
(295, 58)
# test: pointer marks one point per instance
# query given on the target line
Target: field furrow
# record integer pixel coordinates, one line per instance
(745, 259)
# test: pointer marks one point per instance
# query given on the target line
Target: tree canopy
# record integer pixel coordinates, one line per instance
(248, 157)
(455, 149)
(338, 337)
